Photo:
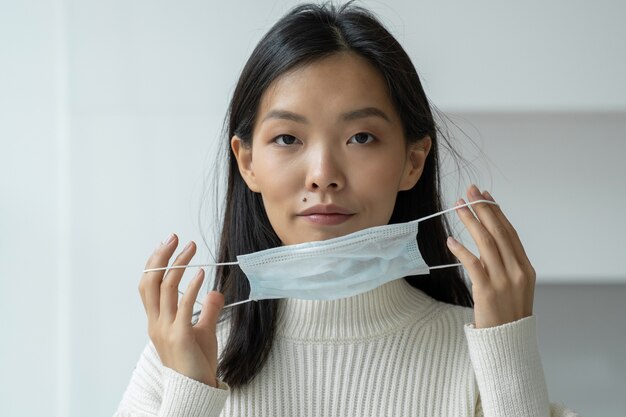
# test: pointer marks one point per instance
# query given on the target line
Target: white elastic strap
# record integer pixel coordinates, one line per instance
(165, 268)
(445, 266)
(189, 266)
(226, 306)
(239, 302)
(457, 207)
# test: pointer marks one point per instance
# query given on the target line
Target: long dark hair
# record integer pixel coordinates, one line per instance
(309, 32)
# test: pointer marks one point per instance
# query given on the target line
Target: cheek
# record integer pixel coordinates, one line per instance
(279, 185)
(277, 181)
(271, 171)
(383, 175)
(378, 183)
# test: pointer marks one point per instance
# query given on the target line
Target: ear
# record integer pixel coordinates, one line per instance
(243, 154)
(414, 166)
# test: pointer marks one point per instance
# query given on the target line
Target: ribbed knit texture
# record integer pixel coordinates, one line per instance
(511, 361)
(392, 351)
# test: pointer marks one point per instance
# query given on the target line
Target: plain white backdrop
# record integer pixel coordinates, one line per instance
(111, 114)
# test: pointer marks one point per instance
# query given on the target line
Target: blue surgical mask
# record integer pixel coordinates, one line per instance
(335, 268)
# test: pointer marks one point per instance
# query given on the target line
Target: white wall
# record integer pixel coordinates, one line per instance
(109, 112)
(33, 230)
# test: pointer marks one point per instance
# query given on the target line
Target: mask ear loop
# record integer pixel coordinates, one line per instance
(446, 211)
(238, 302)
(166, 268)
(456, 207)
(237, 263)
(226, 306)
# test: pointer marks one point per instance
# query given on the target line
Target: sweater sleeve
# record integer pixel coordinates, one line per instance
(556, 410)
(509, 373)
(157, 391)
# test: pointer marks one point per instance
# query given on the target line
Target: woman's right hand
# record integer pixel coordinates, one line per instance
(188, 349)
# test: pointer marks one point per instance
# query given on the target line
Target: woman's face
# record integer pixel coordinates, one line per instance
(328, 133)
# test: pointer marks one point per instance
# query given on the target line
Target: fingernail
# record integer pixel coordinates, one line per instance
(187, 247)
(488, 196)
(168, 240)
(475, 191)
(452, 242)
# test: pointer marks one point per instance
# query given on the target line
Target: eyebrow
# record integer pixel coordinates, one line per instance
(345, 117)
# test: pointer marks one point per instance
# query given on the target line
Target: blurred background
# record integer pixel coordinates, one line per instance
(111, 115)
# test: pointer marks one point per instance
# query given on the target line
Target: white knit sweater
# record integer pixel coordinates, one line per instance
(392, 351)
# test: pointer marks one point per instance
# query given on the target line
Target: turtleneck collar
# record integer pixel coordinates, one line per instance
(366, 315)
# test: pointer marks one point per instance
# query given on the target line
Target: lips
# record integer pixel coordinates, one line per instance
(326, 209)
(326, 214)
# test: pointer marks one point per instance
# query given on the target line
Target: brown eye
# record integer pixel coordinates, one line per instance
(285, 139)
(363, 138)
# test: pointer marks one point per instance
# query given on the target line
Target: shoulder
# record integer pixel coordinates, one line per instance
(459, 314)
(442, 312)
(444, 319)
(438, 337)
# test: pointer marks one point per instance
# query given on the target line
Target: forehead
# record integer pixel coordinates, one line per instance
(332, 85)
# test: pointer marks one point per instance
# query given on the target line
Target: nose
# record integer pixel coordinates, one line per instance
(325, 171)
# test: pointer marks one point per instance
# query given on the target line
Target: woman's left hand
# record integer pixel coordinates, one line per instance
(503, 280)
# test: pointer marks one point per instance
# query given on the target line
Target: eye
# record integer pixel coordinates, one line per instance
(285, 140)
(362, 138)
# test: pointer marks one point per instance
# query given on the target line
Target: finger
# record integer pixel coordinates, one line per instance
(487, 245)
(513, 236)
(471, 263)
(185, 309)
(150, 283)
(500, 233)
(169, 286)
(211, 308)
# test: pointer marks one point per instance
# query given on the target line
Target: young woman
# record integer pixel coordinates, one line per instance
(330, 133)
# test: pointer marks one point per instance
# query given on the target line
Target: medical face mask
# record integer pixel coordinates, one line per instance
(335, 268)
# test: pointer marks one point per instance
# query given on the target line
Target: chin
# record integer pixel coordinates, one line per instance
(318, 235)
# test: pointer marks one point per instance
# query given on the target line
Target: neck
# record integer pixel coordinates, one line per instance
(369, 314)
